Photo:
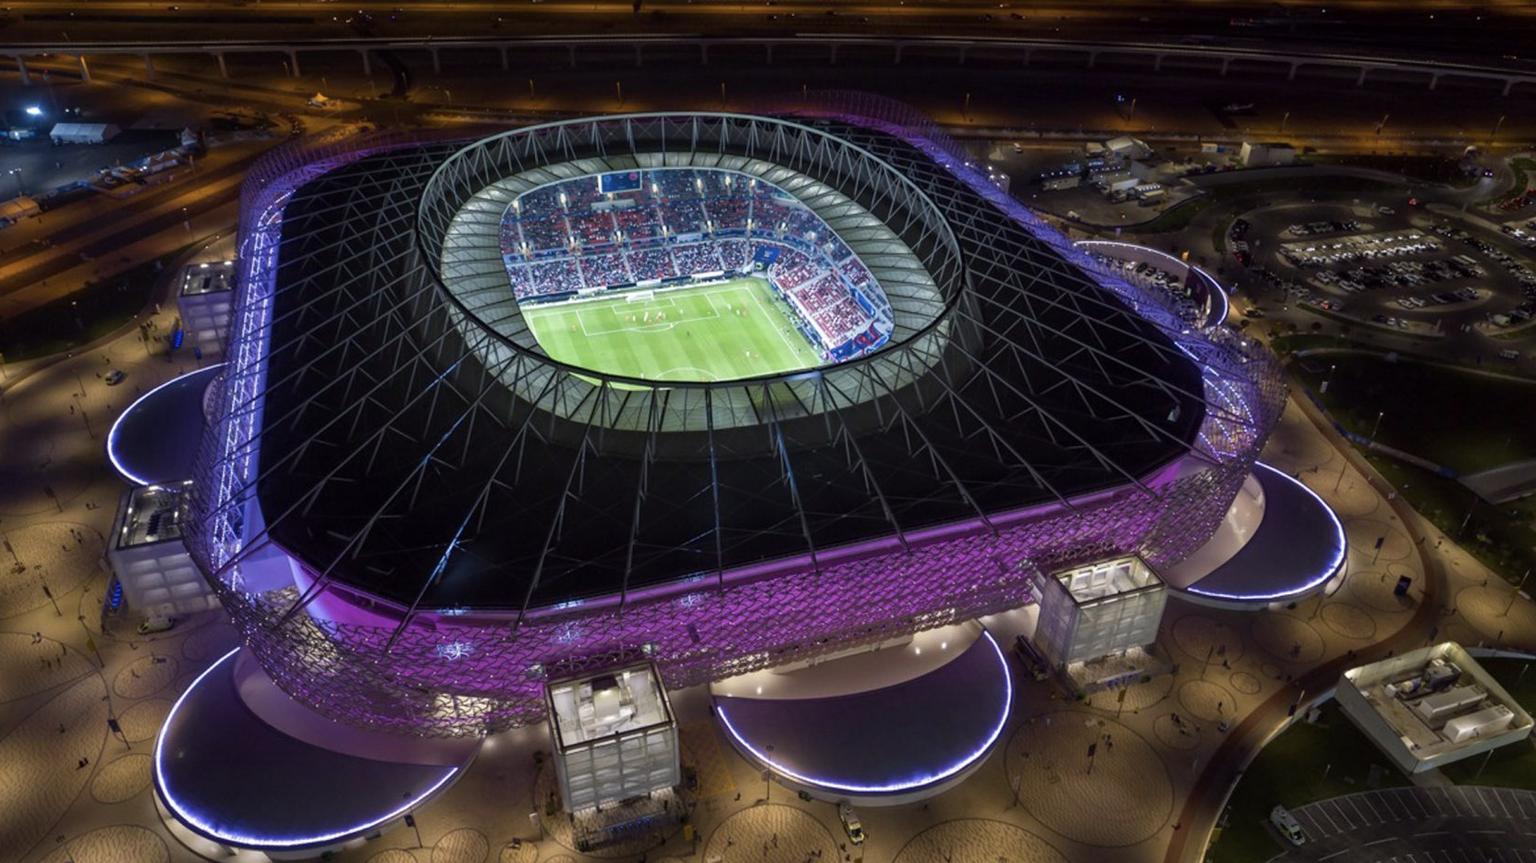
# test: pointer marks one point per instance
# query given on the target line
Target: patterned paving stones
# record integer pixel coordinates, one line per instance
(527, 853)
(1375, 591)
(465, 845)
(51, 555)
(119, 843)
(1287, 637)
(121, 779)
(142, 721)
(976, 840)
(1245, 683)
(27, 668)
(1348, 620)
(1174, 735)
(145, 676)
(1363, 533)
(1484, 608)
(41, 778)
(393, 855)
(1126, 798)
(1206, 700)
(1197, 635)
(752, 833)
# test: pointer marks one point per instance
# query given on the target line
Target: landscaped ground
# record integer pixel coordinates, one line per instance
(1477, 421)
(721, 332)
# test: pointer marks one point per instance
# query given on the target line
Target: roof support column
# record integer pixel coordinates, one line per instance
(367, 65)
(293, 60)
(1433, 80)
(1157, 63)
(1360, 81)
(504, 66)
(149, 66)
(223, 68)
(1292, 76)
(26, 77)
(85, 71)
(437, 62)
(1226, 63)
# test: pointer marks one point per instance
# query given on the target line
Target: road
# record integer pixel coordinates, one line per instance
(1448, 27)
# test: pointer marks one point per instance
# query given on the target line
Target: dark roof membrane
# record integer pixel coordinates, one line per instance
(387, 460)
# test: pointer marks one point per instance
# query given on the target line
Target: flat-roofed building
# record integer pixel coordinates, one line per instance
(615, 736)
(146, 552)
(1430, 707)
(1096, 609)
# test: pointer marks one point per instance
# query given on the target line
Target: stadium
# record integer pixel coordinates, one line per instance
(712, 393)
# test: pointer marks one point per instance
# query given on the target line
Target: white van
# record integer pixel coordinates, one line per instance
(851, 824)
(1288, 826)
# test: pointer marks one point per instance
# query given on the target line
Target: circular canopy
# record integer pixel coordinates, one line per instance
(154, 440)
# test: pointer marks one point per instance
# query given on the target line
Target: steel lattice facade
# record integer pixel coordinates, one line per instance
(424, 659)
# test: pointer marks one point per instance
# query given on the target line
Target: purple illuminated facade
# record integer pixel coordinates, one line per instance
(376, 661)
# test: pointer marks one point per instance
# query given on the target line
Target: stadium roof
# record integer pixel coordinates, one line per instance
(410, 451)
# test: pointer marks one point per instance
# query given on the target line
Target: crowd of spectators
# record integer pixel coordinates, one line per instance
(703, 257)
(651, 263)
(605, 269)
(555, 241)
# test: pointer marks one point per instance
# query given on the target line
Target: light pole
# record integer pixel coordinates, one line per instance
(21, 189)
(1495, 132)
(1515, 594)
(1377, 427)
(1283, 118)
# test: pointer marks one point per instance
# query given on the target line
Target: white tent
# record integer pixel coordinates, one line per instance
(83, 133)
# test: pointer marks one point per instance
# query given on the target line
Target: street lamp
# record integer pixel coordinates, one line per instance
(1377, 427)
(34, 111)
(21, 189)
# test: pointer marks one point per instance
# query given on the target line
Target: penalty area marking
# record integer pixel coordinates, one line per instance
(668, 374)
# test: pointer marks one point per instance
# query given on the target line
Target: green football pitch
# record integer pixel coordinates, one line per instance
(718, 332)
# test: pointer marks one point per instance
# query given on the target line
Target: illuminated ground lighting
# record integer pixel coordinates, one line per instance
(120, 459)
(928, 779)
(199, 821)
(1314, 581)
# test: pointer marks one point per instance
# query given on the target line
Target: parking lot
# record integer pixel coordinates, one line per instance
(1420, 825)
(1417, 273)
